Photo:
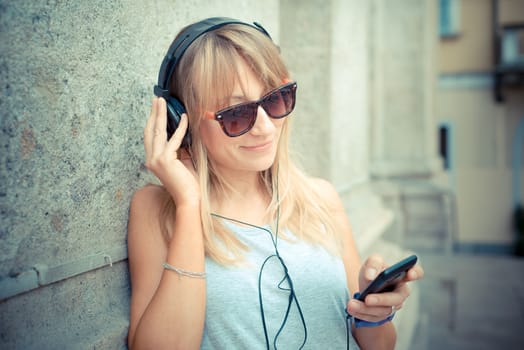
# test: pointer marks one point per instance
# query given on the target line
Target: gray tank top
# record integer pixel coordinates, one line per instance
(233, 312)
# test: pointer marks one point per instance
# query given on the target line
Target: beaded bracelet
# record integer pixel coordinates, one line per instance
(183, 272)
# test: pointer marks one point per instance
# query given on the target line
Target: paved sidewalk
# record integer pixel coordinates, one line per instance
(471, 302)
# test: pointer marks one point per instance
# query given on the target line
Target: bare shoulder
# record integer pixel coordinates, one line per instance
(149, 196)
(145, 213)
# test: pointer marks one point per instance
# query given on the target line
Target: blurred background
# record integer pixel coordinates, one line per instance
(414, 109)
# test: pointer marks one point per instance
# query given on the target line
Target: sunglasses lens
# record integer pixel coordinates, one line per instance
(280, 102)
(239, 119)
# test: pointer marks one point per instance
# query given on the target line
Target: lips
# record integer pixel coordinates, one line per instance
(259, 147)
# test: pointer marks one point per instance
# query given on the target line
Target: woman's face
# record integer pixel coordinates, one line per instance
(253, 151)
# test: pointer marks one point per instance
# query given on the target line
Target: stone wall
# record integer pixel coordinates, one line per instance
(77, 81)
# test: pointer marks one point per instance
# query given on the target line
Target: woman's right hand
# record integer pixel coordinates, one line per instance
(177, 175)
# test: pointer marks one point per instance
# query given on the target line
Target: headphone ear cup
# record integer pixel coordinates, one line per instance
(175, 109)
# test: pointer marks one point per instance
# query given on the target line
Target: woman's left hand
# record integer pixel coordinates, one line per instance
(379, 306)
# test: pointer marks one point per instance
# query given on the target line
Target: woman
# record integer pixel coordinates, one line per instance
(238, 248)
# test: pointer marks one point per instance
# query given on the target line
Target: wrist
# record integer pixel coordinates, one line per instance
(363, 323)
(190, 205)
(184, 198)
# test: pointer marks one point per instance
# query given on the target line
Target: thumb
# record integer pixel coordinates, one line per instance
(372, 267)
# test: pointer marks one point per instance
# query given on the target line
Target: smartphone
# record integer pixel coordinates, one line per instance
(387, 280)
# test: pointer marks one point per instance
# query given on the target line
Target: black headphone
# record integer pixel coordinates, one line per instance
(175, 107)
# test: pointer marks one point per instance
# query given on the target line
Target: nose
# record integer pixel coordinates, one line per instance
(263, 124)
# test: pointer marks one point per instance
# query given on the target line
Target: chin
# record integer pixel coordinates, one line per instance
(261, 164)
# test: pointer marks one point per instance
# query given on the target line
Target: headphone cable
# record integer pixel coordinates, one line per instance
(287, 277)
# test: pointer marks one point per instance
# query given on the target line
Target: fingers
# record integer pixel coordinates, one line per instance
(160, 124)
(155, 134)
(155, 129)
(161, 153)
(396, 297)
(415, 273)
(150, 124)
(379, 306)
(176, 139)
(374, 264)
(372, 314)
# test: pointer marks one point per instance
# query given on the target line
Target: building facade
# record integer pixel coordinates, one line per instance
(481, 120)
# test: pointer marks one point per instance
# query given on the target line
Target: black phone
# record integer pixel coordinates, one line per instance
(387, 280)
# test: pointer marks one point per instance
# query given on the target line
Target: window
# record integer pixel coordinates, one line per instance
(449, 18)
(444, 145)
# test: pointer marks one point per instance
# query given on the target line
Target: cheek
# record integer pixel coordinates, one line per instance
(209, 131)
(278, 122)
(212, 136)
(279, 125)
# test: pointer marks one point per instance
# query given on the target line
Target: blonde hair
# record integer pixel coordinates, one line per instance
(203, 80)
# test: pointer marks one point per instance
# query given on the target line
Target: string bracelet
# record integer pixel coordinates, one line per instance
(183, 272)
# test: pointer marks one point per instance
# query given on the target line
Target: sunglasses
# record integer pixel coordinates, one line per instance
(238, 119)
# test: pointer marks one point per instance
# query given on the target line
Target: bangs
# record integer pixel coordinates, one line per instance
(217, 74)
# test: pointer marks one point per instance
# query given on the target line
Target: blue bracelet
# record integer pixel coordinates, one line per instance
(362, 323)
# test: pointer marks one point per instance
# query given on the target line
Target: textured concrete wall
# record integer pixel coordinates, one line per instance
(306, 37)
(76, 84)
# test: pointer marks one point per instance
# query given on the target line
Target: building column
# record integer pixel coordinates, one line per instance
(405, 165)
(404, 133)
(326, 46)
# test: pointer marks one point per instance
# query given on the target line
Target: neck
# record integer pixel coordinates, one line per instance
(243, 183)
(247, 201)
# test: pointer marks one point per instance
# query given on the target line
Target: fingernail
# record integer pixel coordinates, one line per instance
(371, 273)
(354, 305)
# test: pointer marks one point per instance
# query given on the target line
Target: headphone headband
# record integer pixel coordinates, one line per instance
(184, 40)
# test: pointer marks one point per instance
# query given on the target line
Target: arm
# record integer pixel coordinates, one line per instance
(378, 306)
(384, 336)
(167, 309)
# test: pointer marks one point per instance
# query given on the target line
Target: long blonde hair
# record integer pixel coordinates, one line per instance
(203, 80)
